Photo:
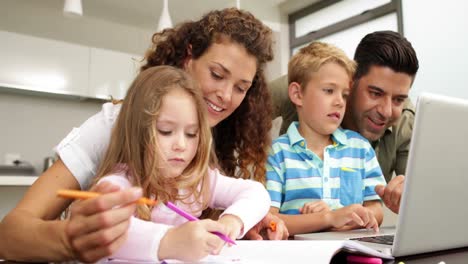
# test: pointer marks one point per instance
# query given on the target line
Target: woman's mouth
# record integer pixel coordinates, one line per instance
(213, 106)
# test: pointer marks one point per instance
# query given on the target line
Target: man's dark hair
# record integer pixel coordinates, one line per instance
(387, 49)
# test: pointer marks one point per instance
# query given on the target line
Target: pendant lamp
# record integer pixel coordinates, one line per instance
(165, 18)
(73, 8)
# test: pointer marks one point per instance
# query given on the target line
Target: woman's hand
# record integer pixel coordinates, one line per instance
(264, 226)
(192, 241)
(97, 227)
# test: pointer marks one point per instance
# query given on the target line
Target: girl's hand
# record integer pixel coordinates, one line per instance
(97, 228)
(352, 217)
(264, 226)
(314, 207)
(233, 225)
(191, 241)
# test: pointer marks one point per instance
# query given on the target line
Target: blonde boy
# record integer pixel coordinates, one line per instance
(319, 175)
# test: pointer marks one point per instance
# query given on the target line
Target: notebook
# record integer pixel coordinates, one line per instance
(433, 212)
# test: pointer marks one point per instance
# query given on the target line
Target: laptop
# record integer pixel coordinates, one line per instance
(434, 204)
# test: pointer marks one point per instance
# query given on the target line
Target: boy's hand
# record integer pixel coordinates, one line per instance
(263, 226)
(314, 207)
(191, 241)
(352, 217)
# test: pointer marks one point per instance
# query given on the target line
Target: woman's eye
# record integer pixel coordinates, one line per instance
(242, 90)
(216, 75)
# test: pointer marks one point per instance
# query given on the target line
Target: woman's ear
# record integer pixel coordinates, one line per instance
(188, 58)
(295, 93)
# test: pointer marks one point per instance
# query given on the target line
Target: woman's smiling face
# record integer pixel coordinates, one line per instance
(225, 73)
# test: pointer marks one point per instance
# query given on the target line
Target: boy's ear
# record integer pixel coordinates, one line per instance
(295, 93)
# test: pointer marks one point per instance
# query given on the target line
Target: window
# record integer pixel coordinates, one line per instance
(343, 23)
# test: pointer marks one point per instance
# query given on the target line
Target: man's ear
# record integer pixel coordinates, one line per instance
(295, 93)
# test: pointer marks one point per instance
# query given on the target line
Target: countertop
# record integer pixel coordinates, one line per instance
(10, 180)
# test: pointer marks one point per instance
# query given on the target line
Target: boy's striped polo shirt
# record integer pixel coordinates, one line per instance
(347, 175)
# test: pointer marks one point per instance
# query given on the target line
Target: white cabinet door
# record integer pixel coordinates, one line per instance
(111, 73)
(41, 64)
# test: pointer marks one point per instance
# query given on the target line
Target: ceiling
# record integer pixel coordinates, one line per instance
(145, 13)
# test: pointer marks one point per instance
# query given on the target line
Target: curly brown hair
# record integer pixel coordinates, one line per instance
(241, 140)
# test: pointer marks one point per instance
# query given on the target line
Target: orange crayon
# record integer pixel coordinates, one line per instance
(74, 194)
(273, 226)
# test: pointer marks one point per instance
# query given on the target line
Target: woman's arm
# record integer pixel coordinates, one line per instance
(33, 223)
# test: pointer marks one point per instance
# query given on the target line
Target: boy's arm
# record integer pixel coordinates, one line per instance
(304, 223)
(376, 207)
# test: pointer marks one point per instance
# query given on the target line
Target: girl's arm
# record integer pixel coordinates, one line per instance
(248, 200)
(149, 241)
(33, 223)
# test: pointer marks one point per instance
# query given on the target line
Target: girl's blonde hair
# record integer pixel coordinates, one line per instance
(134, 141)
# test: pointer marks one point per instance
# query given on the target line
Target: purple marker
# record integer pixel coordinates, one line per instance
(190, 217)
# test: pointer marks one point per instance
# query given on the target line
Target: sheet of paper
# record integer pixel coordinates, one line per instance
(286, 251)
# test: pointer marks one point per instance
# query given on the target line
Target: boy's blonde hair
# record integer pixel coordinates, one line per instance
(134, 141)
(310, 58)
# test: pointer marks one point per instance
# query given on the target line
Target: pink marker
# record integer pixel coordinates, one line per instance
(354, 259)
(190, 217)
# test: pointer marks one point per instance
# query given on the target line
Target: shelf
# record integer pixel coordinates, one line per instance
(17, 180)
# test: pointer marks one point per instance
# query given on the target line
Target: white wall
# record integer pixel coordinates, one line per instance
(438, 31)
(31, 125)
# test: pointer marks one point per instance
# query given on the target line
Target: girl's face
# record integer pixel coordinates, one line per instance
(177, 132)
(225, 73)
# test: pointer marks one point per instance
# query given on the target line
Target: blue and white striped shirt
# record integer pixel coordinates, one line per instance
(347, 175)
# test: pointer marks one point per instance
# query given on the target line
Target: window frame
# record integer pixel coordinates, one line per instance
(395, 6)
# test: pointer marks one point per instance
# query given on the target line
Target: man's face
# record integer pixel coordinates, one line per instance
(376, 101)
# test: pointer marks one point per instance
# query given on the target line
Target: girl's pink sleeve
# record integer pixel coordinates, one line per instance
(143, 237)
(245, 199)
(142, 242)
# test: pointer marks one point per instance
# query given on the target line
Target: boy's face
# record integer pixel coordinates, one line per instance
(177, 133)
(322, 106)
(376, 101)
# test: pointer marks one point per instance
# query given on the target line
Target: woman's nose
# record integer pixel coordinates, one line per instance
(224, 93)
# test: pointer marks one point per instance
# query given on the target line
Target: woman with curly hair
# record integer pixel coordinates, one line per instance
(225, 52)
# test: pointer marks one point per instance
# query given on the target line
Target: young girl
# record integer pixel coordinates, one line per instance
(161, 142)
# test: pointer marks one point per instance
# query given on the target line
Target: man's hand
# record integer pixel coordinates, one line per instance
(391, 194)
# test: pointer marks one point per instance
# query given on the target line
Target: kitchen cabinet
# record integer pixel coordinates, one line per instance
(45, 65)
(111, 73)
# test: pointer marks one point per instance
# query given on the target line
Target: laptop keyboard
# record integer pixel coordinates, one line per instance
(384, 239)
